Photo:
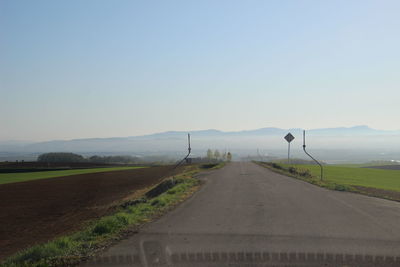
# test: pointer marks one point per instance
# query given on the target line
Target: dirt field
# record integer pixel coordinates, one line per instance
(37, 211)
(393, 195)
(386, 167)
(33, 166)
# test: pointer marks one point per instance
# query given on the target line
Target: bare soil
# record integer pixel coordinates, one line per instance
(382, 193)
(37, 211)
(36, 164)
(33, 166)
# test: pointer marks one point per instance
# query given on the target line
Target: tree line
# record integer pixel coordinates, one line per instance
(218, 156)
(63, 157)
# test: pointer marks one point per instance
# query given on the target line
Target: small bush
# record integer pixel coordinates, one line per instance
(102, 228)
(340, 187)
(158, 203)
(208, 166)
(305, 173)
(122, 218)
(276, 166)
(109, 225)
(60, 246)
(171, 191)
(155, 202)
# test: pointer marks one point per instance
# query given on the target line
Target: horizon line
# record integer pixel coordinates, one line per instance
(211, 129)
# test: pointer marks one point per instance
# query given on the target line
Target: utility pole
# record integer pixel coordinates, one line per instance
(189, 148)
(189, 151)
(304, 148)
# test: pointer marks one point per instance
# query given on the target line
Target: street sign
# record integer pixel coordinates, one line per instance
(289, 137)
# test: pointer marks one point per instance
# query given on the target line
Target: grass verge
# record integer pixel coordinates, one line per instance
(352, 176)
(369, 182)
(213, 166)
(72, 249)
(6, 178)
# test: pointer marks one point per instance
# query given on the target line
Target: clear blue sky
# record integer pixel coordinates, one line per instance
(77, 69)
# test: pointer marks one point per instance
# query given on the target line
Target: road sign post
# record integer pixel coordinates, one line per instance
(289, 138)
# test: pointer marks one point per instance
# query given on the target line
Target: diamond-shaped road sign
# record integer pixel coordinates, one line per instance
(289, 137)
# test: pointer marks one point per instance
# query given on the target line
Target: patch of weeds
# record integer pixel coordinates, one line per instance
(277, 166)
(171, 191)
(340, 187)
(158, 203)
(134, 202)
(35, 256)
(292, 170)
(304, 173)
(111, 224)
(213, 165)
(208, 166)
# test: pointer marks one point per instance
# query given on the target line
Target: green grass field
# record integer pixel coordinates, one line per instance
(376, 178)
(6, 178)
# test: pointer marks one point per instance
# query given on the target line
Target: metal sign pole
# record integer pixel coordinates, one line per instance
(304, 148)
(289, 138)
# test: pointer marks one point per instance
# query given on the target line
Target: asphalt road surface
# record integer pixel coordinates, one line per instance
(246, 215)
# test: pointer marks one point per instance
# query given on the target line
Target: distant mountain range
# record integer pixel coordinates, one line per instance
(175, 141)
(271, 131)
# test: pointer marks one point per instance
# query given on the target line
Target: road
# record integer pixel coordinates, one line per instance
(246, 215)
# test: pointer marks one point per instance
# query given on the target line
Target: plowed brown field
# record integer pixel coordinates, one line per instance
(36, 211)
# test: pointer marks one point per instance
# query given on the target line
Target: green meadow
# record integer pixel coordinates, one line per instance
(6, 178)
(352, 175)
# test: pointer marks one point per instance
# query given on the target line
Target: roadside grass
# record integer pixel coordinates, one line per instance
(71, 249)
(6, 178)
(351, 179)
(350, 176)
(213, 166)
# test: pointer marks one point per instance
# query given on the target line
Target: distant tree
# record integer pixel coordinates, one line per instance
(96, 159)
(210, 155)
(217, 155)
(113, 159)
(229, 156)
(224, 156)
(60, 157)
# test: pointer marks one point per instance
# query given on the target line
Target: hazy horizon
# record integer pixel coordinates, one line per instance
(333, 145)
(396, 131)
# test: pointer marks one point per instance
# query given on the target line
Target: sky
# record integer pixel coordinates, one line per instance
(93, 68)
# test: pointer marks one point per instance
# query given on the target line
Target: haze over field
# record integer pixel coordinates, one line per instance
(354, 144)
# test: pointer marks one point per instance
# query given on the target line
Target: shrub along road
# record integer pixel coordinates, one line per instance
(250, 214)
